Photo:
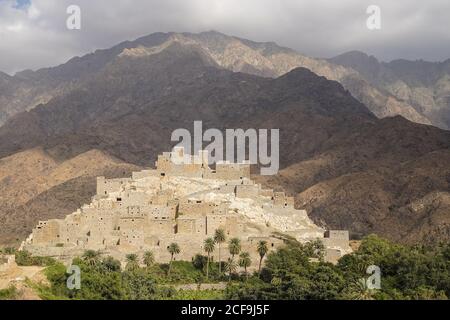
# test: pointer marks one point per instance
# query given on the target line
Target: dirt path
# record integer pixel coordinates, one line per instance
(16, 277)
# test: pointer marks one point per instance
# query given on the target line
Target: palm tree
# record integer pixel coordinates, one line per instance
(234, 246)
(245, 262)
(91, 257)
(173, 249)
(230, 267)
(219, 238)
(209, 245)
(149, 258)
(132, 262)
(262, 250)
(358, 290)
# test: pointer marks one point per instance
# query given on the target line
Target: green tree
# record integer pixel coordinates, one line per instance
(91, 257)
(132, 262)
(234, 246)
(140, 285)
(111, 265)
(173, 249)
(199, 261)
(209, 246)
(149, 258)
(230, 267)
(357, 290)
(219, 238)
(262, 249)
(245, 262)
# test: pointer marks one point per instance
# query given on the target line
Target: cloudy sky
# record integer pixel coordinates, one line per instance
(33, 33)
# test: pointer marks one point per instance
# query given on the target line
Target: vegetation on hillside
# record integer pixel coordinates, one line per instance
(294, 271)
(406, 273)
(104, 279)
(9, 293)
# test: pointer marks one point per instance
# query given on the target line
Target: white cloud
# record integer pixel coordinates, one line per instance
(36, 35)
(33, 12)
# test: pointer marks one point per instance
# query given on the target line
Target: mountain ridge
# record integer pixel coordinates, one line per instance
(423, 85)
(130, 108)
(239, 55)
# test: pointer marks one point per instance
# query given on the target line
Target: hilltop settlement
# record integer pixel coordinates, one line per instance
(184, 201)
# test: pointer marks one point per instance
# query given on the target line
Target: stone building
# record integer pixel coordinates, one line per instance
(182, 200)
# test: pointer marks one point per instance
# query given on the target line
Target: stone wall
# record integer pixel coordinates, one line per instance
(106, 186)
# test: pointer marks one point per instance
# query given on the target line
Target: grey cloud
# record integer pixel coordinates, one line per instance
(37, 36)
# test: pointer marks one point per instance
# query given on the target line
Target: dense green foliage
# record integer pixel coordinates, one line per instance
(418, 272)
(102, 278)
(294, 271)
(8, 293)
(24, 258)
(406, 273)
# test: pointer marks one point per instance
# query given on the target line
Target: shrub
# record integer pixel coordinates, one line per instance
(24, 258)
(9, 293)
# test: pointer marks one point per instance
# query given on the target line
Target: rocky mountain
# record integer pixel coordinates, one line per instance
(423, 85)
(347, 167)
(407, 202)
(35, 186)
(29, 89)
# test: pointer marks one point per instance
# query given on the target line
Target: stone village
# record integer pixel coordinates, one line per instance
(184, 201)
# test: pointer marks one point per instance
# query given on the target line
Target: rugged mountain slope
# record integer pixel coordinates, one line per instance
(34, 186)
(28, 89)
(20, 93)
(350, 169)
(406, 202)
(423, 85)
(143, 99)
